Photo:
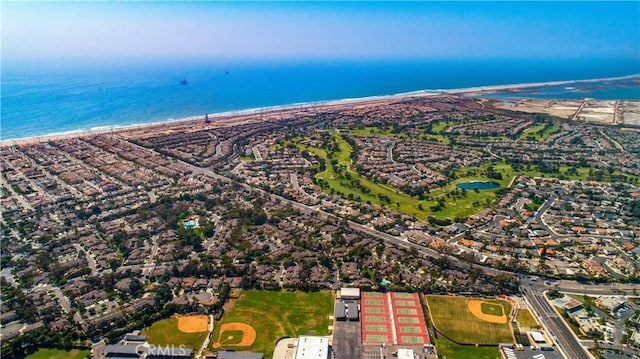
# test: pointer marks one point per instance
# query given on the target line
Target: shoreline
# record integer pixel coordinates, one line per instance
(303, 106)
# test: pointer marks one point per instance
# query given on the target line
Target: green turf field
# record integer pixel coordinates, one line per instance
(452, 350)
(274, 315)
(452, 317)
(59, 354)
(165, 332)
(526, 319)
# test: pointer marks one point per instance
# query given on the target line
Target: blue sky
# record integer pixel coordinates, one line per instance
(334, 30)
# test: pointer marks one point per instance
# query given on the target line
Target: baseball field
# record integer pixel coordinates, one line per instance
(189, 331)
(470, 320)
(257, 319)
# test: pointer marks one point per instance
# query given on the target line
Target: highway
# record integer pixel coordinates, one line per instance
(555, 325)
(575, 287)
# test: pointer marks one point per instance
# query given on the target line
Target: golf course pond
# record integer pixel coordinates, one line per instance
(477, 185)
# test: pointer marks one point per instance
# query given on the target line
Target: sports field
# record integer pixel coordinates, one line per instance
(268, 316)
(452, 350)
(464, 320)
(167, 332)
(526, 319)
(59, 354)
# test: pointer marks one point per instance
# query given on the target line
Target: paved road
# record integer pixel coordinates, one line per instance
(575, 287)
(563, 336)
(64, 301)
(90, 261)
(390, 153)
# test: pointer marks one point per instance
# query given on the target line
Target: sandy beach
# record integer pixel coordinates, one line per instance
(232, 118)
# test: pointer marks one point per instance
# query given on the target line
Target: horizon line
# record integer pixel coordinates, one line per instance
(300, 105)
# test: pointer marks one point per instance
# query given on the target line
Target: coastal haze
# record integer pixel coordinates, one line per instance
(364, 179)
(77, 67)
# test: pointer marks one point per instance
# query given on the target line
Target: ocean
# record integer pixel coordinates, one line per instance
(43, 98)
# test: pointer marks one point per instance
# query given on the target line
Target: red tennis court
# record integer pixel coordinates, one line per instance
(392, 318)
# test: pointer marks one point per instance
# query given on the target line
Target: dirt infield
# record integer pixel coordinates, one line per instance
(193, 323)
(475, 307)
(248, 334)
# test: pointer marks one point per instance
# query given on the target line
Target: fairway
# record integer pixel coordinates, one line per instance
(453, 317)
(271, 315)
(166, 332)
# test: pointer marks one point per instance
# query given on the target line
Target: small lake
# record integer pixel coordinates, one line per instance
(477, 185)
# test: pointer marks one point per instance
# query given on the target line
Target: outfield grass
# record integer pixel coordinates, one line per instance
(277, 314)
(451, 316)
(451, 350)
(165, 332)
(44, 353)
(526, 319)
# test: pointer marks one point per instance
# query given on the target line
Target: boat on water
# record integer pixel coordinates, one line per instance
(183, 82)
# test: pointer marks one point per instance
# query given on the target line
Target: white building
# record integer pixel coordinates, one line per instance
(350, 293)
(405, 354)
(312, 347)
(537, 337)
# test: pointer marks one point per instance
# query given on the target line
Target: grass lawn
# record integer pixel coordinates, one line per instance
(441, 126)
(165, 332)
(451, 350)
(43, 353)
(452, 317)
(491, 309)
(532, 133)
(550, 131)
(526, 319)
(539, 132)
(277, 314)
